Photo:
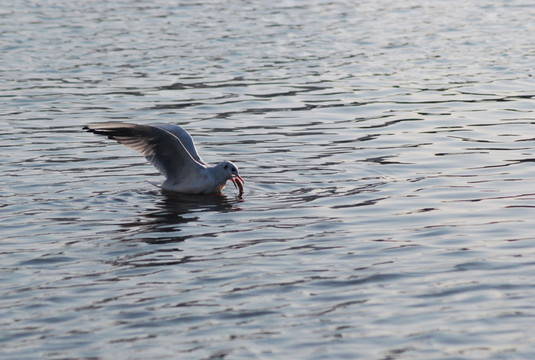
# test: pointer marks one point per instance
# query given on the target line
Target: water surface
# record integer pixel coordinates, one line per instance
(387, 149)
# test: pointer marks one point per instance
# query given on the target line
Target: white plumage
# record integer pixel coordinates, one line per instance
(172, 151)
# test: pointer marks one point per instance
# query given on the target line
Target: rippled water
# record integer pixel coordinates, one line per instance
(387, 149)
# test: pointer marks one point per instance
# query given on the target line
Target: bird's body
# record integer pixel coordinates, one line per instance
(172, 151)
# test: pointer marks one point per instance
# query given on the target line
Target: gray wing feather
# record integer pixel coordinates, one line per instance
(184, 137)
(161, 148)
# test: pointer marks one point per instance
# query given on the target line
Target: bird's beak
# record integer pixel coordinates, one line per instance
(238, 183)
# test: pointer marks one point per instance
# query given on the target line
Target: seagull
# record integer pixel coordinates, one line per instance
(171, 150)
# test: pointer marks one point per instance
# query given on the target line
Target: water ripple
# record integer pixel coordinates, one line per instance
(387, 154)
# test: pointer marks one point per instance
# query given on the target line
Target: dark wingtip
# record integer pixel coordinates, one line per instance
(99, 132)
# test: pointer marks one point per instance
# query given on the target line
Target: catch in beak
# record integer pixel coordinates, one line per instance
(238, 183)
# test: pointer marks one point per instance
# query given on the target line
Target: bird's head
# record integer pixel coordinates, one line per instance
(230, 172)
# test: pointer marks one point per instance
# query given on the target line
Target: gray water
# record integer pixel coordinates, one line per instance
(387, 149)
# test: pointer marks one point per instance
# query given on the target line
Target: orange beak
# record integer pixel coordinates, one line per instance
(238, 183)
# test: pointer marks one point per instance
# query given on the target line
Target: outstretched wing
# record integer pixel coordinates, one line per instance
(161, 148)
(184, 137)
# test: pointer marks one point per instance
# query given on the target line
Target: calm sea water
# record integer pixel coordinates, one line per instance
(388, 150)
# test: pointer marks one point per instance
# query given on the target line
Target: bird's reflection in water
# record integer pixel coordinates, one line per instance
(165, 227)
(163, 224)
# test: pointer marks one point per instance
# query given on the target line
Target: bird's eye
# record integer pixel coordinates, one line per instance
(233, 169)
(225, 167)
